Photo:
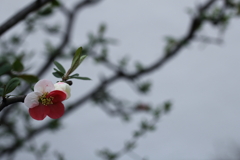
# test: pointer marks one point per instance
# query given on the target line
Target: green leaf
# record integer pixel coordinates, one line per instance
(82, 78)
(167, 106)
(75, 75)
(130, 145)
(76, 56)
(5, 68)
(15, 39)
(17, 65)
(145, 87)
(157, 112)
(139, 66)
(77, 63)
(47, 11)
(55, 3)
(77, 60)
(144, 125)
(29, 78)
(11, 85)
(60, 67)
(54, 125)
(58, 74)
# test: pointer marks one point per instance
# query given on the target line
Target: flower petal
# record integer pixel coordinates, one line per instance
(39, 112)
(58, 95)
(63, 87)
(31, 100)
(44, 86)
(56, 110)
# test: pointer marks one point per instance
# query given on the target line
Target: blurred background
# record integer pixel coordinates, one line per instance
(201, 82)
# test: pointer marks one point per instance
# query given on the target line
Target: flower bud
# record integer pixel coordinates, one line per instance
(63, 87)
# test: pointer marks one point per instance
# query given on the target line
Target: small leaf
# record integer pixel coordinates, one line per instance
(75, 75)
(167, 106)
(139, 66)
(29, 78)
(77, 63)
(102, 29)
(55, 3)
(59, 66)
(11, 85)
(137, 134)
(17, 65)
(145, 87)
(76, 56)
(47, 11)
(157, 112)
(144, 125)
(54, 125)
(82, 78)
(15, 39)
(5, 68)
(58, 74)
(130, 145)
(123, 62)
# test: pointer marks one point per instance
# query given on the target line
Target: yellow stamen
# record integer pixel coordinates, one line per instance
(46, 100)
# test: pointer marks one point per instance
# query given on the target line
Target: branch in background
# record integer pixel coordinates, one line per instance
(22, 14)
(8, 101)
(71, 17)
(194, 27)
(66, 37)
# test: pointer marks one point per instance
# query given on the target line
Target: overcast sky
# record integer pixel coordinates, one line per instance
(202, 82)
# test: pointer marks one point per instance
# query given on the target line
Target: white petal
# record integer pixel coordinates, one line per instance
(31, 99)
(44, 86)
(63, 87)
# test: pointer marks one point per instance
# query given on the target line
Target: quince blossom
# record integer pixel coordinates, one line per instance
(46, 100)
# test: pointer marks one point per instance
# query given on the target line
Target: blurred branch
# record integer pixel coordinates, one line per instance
(144, 127)
(66, 37)
(22, 14)
(196, 22)
(8, 101)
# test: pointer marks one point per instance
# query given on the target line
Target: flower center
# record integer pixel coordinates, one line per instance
(46, 100)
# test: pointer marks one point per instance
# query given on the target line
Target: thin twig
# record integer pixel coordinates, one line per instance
(196, 21)
(22, 14)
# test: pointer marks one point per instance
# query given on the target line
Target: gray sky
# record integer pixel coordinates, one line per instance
(202, 82)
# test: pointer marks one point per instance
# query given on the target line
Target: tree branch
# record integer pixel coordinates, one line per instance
(66, 37)
(8, 101)
(22, 14)
(194, 26)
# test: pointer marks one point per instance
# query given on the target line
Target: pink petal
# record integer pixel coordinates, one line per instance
(58, 95)
(39, 112)
(56, 110)
(31, 100)
(44, 86)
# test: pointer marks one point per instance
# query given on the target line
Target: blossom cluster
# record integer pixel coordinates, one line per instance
(46, 100)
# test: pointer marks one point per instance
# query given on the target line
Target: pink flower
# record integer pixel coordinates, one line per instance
(45, 101)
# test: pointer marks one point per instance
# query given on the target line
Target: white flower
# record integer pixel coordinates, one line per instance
(63, 87)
